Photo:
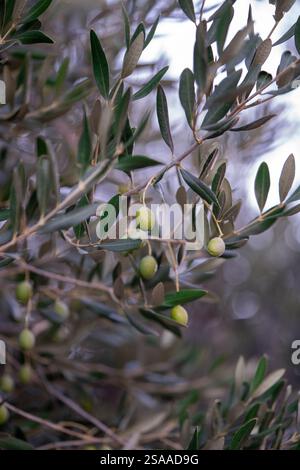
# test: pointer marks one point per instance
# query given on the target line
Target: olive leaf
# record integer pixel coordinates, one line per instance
(146, 89)
(199, 187)
(100, 65)
(187, 94)
(297, 35)
(132, 55)
(163, 117)
(135, 162)
(254, 125)
(84, 146)
(36, 10)
(287, 177)
(262, 185)
(241, 435)
(187, 7)
(182, 297)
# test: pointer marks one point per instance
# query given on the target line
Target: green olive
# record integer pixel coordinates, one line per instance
(61, 309)
(180, 315)
(6, 383)
(24, 292)
(145, 219)
(4, 414)
(26, 339)
(25, 374)
(216, 246)
(148, 267)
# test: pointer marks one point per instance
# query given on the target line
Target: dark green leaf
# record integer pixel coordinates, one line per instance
(200, 58)
(297, 35)
(295, 196)
(242, 434)
(187, 94)
(199, 187)
(259, 374)
(262, 185)
(187, 7)
(12, 443)
(182, 297)
(163, 320)
(122, 245)
(146, 89)
(151, 32)
(43, 183)
(103, 311)
(135, 162)
(254, 125)
(140, 327)
(33, 37)
(163, 117)
(290, 33)
(36, 10)
(84, 146)
(100, 65)
(71, 218)
(41, 147)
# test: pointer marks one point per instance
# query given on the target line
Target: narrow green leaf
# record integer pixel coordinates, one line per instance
(287, 177)
(126, 25)
(133, 54)
(69, 219)
(259, 374)
(182, 297)
(146, 89)
(43, 183)
(12, 443)
(290, 33)
(162, 320)
(242, 434)
(200, 57)
(151, 32)
(297, 35)
(254, 125)
(100, 65)
(135, 162)
(122, 245)
(262, 185)
(187, 94)
(61, 75)
(271, 380)
(140, 327)
(187, 7)
(37, 10)
(163, 117)
(33, 37)
(41, 147)
(199, 187)
(84, 145)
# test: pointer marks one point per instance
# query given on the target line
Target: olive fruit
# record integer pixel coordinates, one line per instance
(25, 374)
(216, 246)
(148, 267)
(61, 309)
(180, 315)
(26, 339)
(24, 292)
(145, 218)
(4, 414)
(6, 383)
